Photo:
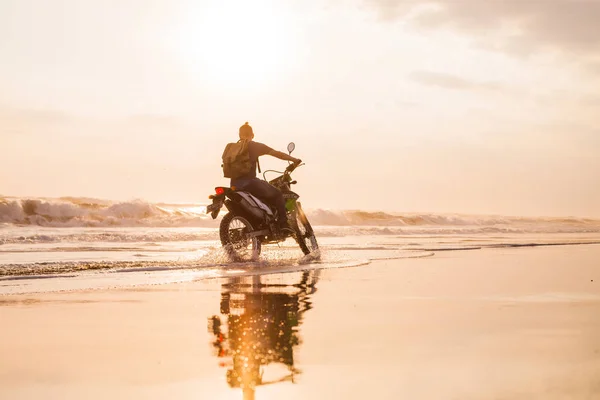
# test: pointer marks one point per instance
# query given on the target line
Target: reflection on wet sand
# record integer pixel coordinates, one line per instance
(257, 329)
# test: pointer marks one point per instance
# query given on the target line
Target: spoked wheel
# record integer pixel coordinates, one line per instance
(239, 245)
(304, 232)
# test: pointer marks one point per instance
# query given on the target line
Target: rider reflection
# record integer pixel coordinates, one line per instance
(259, 329)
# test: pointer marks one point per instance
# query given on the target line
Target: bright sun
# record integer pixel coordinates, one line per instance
(236, 43)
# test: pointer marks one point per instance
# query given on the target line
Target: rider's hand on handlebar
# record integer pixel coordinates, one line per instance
(293, 165)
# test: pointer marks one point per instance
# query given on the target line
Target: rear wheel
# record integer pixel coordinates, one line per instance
(304, 231)
(234, 232)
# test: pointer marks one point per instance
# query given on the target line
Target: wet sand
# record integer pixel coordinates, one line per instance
(486, 324)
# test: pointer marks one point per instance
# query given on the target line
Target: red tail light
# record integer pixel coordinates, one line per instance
(219, 190)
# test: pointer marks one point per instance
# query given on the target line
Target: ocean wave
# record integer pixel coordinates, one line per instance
(150, 238)
(358, 217)
(155, 236)
(81, 212)
(89, 212)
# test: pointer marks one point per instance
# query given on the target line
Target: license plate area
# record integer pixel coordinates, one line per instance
(214, 208)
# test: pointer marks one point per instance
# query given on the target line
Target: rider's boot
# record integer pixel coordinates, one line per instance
(285, 230)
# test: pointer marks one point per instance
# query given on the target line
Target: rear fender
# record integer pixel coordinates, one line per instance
(218, 199)
(214, 208)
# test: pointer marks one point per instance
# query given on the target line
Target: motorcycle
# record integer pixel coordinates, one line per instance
(250, 223)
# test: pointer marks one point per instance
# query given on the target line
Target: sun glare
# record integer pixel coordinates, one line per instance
(236, 44)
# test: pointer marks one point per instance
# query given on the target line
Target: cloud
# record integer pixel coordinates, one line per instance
(569, 26)
(49, 123)
(448, 81)
(9, 114)
(24, 121)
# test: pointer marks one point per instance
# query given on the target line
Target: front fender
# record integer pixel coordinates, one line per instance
(290, 200)
(291, 195)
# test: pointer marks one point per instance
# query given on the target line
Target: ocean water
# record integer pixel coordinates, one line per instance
(81, 243)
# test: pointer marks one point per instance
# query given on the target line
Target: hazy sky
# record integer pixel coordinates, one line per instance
(398, 105)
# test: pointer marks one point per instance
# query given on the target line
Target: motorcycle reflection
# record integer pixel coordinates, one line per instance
(259, 329)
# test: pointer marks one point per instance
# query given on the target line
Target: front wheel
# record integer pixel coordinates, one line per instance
(234, 232)
(304, 231)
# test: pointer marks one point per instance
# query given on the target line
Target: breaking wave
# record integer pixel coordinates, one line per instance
(88, 212)
(357, 217)
(84, 212)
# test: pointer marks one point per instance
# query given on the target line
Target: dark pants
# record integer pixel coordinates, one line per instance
(266, 192)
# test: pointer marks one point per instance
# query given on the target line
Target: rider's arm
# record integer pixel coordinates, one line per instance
(283, 156)
(263, 150)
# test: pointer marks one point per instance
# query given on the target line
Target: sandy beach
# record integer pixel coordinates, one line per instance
(512, 323)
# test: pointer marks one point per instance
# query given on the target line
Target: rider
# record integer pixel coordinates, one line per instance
(259, 188)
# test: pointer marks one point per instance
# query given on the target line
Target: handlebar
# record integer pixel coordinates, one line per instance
(293, 166)
(287, 171)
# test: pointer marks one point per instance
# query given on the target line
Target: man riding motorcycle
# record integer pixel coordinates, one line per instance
(250, 183)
